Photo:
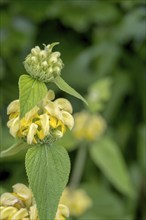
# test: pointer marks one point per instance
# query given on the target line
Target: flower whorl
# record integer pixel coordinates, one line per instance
(44, 65)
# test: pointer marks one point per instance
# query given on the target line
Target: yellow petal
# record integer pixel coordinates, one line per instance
(13, 115)
(44, 119)
(53, 110)
(22, 213)
(64, 210)
(9, 123)
(32, 131)
(64, 104)
(8, 199)
(68, 119)
(15, 127)
(33, 213)
(58, 134)
(61, 126)
(7, 212)
(53, 122)
(22, 191)
(40, 134)
(50, 96)
(31, 113)
(13, 107)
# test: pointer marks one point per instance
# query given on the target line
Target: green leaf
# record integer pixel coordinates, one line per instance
(48, 169)
(107, 156)
(68, 89)
(14, 149)
(31, 92)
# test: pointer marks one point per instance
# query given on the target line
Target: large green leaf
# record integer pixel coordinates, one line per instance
(31, 92)
(107, 156)
(48, 170)
(14, 149)
(68, 89)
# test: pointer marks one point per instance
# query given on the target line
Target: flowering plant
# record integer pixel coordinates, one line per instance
(37, 121)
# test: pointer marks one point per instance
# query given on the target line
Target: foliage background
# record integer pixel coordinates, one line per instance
(97, 39)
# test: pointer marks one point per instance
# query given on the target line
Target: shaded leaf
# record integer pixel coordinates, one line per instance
(109, 159)
(14, 149)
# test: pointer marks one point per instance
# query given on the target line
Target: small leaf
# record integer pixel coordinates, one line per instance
(48, 170)
(68, 89)
(14, 149)
(31, 92)
(108, 158)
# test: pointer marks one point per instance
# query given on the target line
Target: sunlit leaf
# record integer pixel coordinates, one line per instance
(48, 170)
(31, 92)
(68, 89)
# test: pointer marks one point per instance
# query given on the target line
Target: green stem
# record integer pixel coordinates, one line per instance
(78, 167)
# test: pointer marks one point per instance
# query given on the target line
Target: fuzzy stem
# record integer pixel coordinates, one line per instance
(78, 167)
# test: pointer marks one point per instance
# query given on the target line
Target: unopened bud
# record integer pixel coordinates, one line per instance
(44, 65)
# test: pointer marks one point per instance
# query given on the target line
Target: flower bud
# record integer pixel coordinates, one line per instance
(44, 65)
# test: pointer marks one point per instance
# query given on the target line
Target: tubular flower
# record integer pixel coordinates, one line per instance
(45, 122)
(77, 200)
(20, 204)
(88, 126)
(44, 65)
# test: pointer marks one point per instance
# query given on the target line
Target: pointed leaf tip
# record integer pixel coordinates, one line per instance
(68, 89)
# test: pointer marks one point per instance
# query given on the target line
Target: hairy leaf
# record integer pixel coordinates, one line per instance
(48, 170)
(31, 92)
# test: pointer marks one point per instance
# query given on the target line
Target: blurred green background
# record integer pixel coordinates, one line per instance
(98, 40)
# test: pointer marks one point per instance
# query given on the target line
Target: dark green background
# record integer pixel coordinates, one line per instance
(97, 39)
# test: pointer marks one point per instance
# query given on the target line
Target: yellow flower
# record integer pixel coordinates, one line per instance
(50, 119)
(13, 107)
(20, 204)
(88, 126)
(44, 120)
(14, 125)
(62, 212)
(77, 200)
(31, 133)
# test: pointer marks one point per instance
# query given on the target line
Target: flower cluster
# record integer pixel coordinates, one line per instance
(44, 65)
(77, 200)
(21, 205)
(45, 122)
(88, 126)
